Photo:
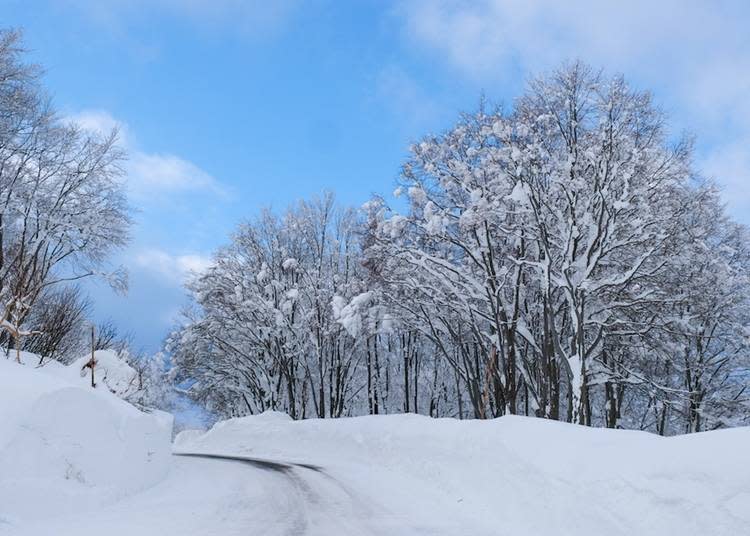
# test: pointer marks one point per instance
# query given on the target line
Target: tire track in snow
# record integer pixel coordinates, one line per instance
(296, 515)
(310, 506)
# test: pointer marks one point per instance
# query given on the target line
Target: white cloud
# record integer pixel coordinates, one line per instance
(99, 122)
(166, 172)
(176, 269)
(485, 36)
(150, 176)
(695, 55)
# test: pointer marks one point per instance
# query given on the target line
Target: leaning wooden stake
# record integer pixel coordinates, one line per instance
(93, 361)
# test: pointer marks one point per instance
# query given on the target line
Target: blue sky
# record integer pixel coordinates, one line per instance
(227, 106)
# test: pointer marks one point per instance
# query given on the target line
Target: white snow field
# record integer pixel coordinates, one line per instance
(65, 447)
(79, 461)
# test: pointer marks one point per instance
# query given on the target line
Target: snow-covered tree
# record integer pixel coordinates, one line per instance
(62, 203)
(265, 336)
(561, 258)
(537, 241)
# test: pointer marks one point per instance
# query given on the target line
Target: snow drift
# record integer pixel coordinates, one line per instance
(80, 461)
(65, 446)
(512, 475)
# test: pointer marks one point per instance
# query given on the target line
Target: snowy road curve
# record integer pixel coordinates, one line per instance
(307, 500)
(227, 495)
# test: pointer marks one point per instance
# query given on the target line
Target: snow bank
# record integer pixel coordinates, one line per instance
(73, 460)
(65, 446)
(513, 475)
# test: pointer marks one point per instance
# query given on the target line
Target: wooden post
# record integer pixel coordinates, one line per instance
(93, 361)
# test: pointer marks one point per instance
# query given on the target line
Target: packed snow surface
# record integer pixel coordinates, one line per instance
(67, 447)
(511, 475)
(76, 460)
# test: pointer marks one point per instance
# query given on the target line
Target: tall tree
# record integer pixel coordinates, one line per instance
(62, 201)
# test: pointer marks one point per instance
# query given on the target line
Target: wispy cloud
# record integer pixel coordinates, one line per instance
(151, 177)
(487, 36)
(174, 269)
(166, 172)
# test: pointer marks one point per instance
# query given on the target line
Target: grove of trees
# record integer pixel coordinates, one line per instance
(561, 259)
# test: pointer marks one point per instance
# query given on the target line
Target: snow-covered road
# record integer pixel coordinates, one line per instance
(81, 462)
(306, 500)
(198, 496)
(210, 494)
